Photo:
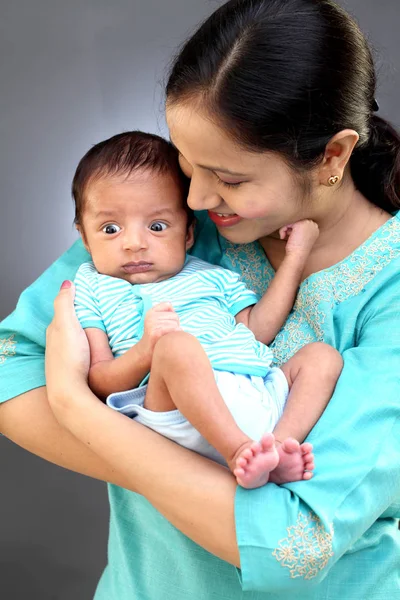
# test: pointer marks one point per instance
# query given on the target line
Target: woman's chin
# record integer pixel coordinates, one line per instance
(247, 232)
(236, 236)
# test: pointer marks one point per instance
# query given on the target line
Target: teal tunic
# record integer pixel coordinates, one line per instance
(332, 538)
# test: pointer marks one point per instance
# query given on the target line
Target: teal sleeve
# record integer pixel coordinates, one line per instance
(86, 305)
(23, 333)
(236, 294)
(291, 536)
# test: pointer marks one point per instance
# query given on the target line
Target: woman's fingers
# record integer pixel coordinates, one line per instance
(67, 348)
(64, 303)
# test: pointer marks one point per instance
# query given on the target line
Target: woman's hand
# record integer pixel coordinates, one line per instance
(67, 349)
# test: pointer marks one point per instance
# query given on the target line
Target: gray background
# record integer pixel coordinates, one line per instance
(71, 74)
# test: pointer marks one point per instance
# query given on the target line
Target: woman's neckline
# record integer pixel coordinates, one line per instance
(381, 229)
(350, 257)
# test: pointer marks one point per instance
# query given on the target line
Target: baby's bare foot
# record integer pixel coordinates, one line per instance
(254, 461)
(296, 462)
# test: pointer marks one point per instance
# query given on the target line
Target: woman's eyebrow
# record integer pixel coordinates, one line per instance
(209, 168)
(222, 170)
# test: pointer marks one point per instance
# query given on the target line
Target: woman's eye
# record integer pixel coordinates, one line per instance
(112, 228)
(158, 226)
(229, 184)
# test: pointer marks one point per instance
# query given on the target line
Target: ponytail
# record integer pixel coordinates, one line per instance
(375, 166)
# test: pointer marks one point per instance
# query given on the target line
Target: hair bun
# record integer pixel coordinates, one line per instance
(375, 166)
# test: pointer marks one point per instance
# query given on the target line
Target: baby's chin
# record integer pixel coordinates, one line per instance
(152, 276)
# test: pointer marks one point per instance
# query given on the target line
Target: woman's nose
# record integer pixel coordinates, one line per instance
(201, 195)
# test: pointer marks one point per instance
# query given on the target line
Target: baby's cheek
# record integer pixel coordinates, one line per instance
(105, 264)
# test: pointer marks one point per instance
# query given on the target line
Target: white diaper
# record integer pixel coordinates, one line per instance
(256, 404)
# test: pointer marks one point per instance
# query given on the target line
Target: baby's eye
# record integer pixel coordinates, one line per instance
(158, 226)
(111, 228)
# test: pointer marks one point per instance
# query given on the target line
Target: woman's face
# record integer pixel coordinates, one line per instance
(248, 195)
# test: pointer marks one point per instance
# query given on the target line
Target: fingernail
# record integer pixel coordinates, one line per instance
(65, 285)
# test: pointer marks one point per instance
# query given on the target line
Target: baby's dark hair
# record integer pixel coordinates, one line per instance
(123, 154)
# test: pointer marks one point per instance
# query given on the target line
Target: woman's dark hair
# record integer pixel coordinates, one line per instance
(286, 76)
(123, 154)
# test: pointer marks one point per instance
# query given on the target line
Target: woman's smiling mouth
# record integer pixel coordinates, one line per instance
(224, 220)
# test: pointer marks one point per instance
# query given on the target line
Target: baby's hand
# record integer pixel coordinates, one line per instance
(300, 236)
(159, 320)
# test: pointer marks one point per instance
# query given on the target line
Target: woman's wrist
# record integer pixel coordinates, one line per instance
(66, 397)
(70, 405)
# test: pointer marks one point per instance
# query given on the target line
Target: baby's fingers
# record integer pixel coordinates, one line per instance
(163, 307)
(285, 231)
(167, 327)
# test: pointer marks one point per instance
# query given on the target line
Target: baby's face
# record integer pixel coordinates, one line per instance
(135, 228)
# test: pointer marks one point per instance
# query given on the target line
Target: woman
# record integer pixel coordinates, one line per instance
(271, 106)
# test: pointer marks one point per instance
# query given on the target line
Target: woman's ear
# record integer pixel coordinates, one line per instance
(337, 155)
(190, 236)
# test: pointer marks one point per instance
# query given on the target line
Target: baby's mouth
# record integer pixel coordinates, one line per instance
(137, 267)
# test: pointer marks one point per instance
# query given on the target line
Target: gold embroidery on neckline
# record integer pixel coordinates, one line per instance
(7, 348)
(307, 549)
(321, 291)
(250, 262)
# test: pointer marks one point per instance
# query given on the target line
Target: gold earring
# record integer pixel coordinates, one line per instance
(333, 180)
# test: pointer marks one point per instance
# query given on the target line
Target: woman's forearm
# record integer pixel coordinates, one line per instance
(29, 422)
(161, 471)
(193, 493)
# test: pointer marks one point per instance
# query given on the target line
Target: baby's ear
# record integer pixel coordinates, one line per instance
(79, 228)
(190, 236)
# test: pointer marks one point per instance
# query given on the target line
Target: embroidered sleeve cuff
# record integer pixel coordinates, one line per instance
(283, 545)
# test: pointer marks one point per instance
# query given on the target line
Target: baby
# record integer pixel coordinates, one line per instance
(148, 307)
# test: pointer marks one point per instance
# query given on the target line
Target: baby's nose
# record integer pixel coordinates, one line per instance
(134, 240)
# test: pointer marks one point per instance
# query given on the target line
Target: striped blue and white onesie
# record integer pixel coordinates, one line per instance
(206, 298)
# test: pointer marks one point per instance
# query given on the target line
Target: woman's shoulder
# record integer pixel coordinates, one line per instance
(23, 333)
(368, 269)
(39, 296)
(65, 267)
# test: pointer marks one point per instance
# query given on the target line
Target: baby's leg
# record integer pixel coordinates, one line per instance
(312, 374)
(182, 377)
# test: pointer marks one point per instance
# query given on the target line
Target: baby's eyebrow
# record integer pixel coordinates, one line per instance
(104, 213)
(161, 211)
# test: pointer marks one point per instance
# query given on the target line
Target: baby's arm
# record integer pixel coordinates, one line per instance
(267, 317)
(108, 374)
